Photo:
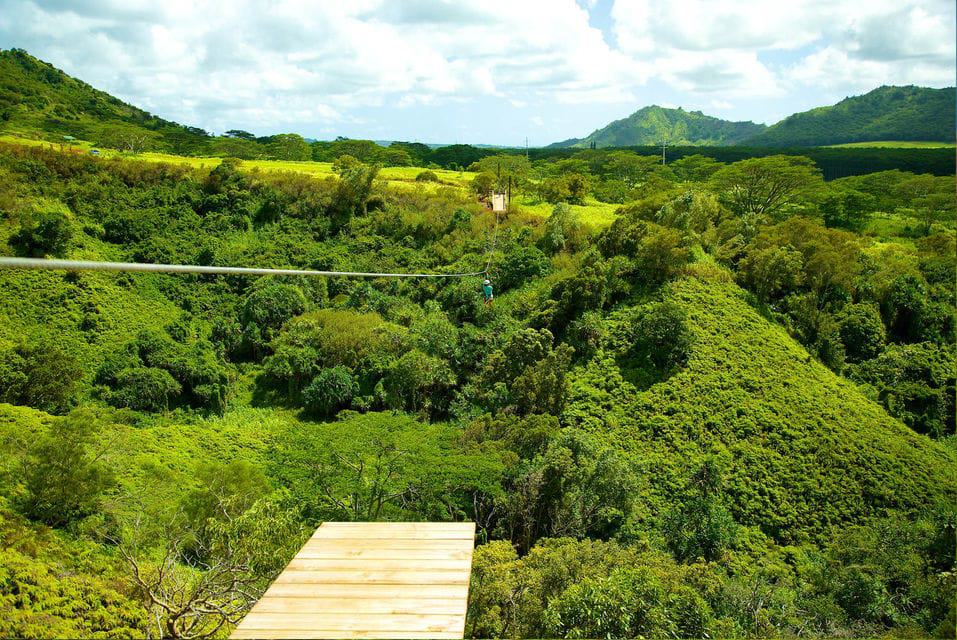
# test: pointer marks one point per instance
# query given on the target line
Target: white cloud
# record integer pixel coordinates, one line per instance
(215, 63)
(310, 65)
(715, 46)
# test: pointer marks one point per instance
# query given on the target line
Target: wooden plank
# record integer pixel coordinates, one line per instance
(332, 634)
(371, 591)
(382, 543)
(387, 530)
(370, 580)
(394, 606)
(397, 526)
(367, 576)
(339, 552)
(351, 622)
(377, 564)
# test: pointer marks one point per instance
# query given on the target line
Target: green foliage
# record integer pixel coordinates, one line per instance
(662, 336)
(267, 307)
(46, 234)
(702, 527)
(915, 383)
(426, 176)
(39, 375)
(43, 594)
(862, 332)
(65, 476)
(288, 146)
(563, 230)
(886, 113)
(154, 371)
(586, 589)
(331, 390)
(225, 492)
(143, 389)
(383, 466)
(654, 125)
(520, 266)
(576, 487)
(767, 188)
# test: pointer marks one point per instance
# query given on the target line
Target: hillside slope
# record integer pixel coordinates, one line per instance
(654, 124)
(804, 448)
(886, 113)
(35, 97)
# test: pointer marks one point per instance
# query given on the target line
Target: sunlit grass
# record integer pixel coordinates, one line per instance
(593, 214)
(897, 144)
(390, 174)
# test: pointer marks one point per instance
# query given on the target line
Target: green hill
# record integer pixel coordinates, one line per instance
(887, 113)
(806, 450)
(36, 97)
(654, 125)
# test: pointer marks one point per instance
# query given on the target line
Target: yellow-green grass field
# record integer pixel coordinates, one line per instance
(390, 174)
(897, 144)
(593, 214)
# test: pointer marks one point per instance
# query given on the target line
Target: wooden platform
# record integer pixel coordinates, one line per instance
(370, 580)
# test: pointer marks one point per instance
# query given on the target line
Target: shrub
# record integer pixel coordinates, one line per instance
(862, 331)
(662, 336)
(701, 526)
(47, 234)
(41, 376)
(427, 176)
(520, 265)
(331, 390)
(267, 307)
(65, 476)
(144, 389)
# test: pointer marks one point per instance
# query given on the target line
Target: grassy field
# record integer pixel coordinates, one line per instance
(391, 174)
(593, 213)
(897, 144)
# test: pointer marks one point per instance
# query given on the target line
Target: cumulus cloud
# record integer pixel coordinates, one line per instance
(715, 46)
(276, 65)
(257, 62)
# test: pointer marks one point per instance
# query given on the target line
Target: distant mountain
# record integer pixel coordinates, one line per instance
(654, 124)
(886, 113)
(35, 97)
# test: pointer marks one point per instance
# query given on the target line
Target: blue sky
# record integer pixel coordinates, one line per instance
(493, 71)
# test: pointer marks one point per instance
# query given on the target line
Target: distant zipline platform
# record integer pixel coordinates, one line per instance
(92, 265)
(370, 580)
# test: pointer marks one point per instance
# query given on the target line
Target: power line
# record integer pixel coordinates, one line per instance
(92, 265)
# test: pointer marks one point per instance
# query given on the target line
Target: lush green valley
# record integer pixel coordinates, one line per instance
(722, 408)
(713, 397)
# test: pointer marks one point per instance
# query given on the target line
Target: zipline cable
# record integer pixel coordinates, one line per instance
(50, 264)
(91, 265)
(491, 250)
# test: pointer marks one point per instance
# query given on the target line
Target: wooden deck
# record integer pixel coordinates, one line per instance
(370, 580)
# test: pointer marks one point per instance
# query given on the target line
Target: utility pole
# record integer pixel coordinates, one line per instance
(663, 145)
(526, 147)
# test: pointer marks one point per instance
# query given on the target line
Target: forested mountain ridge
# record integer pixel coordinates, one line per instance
(36, 96)
(906, 113)
(886, 113)
(654, 125)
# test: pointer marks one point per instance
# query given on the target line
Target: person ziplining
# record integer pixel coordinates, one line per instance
(487, 291)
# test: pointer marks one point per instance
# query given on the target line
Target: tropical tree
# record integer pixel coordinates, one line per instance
(767, 187)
